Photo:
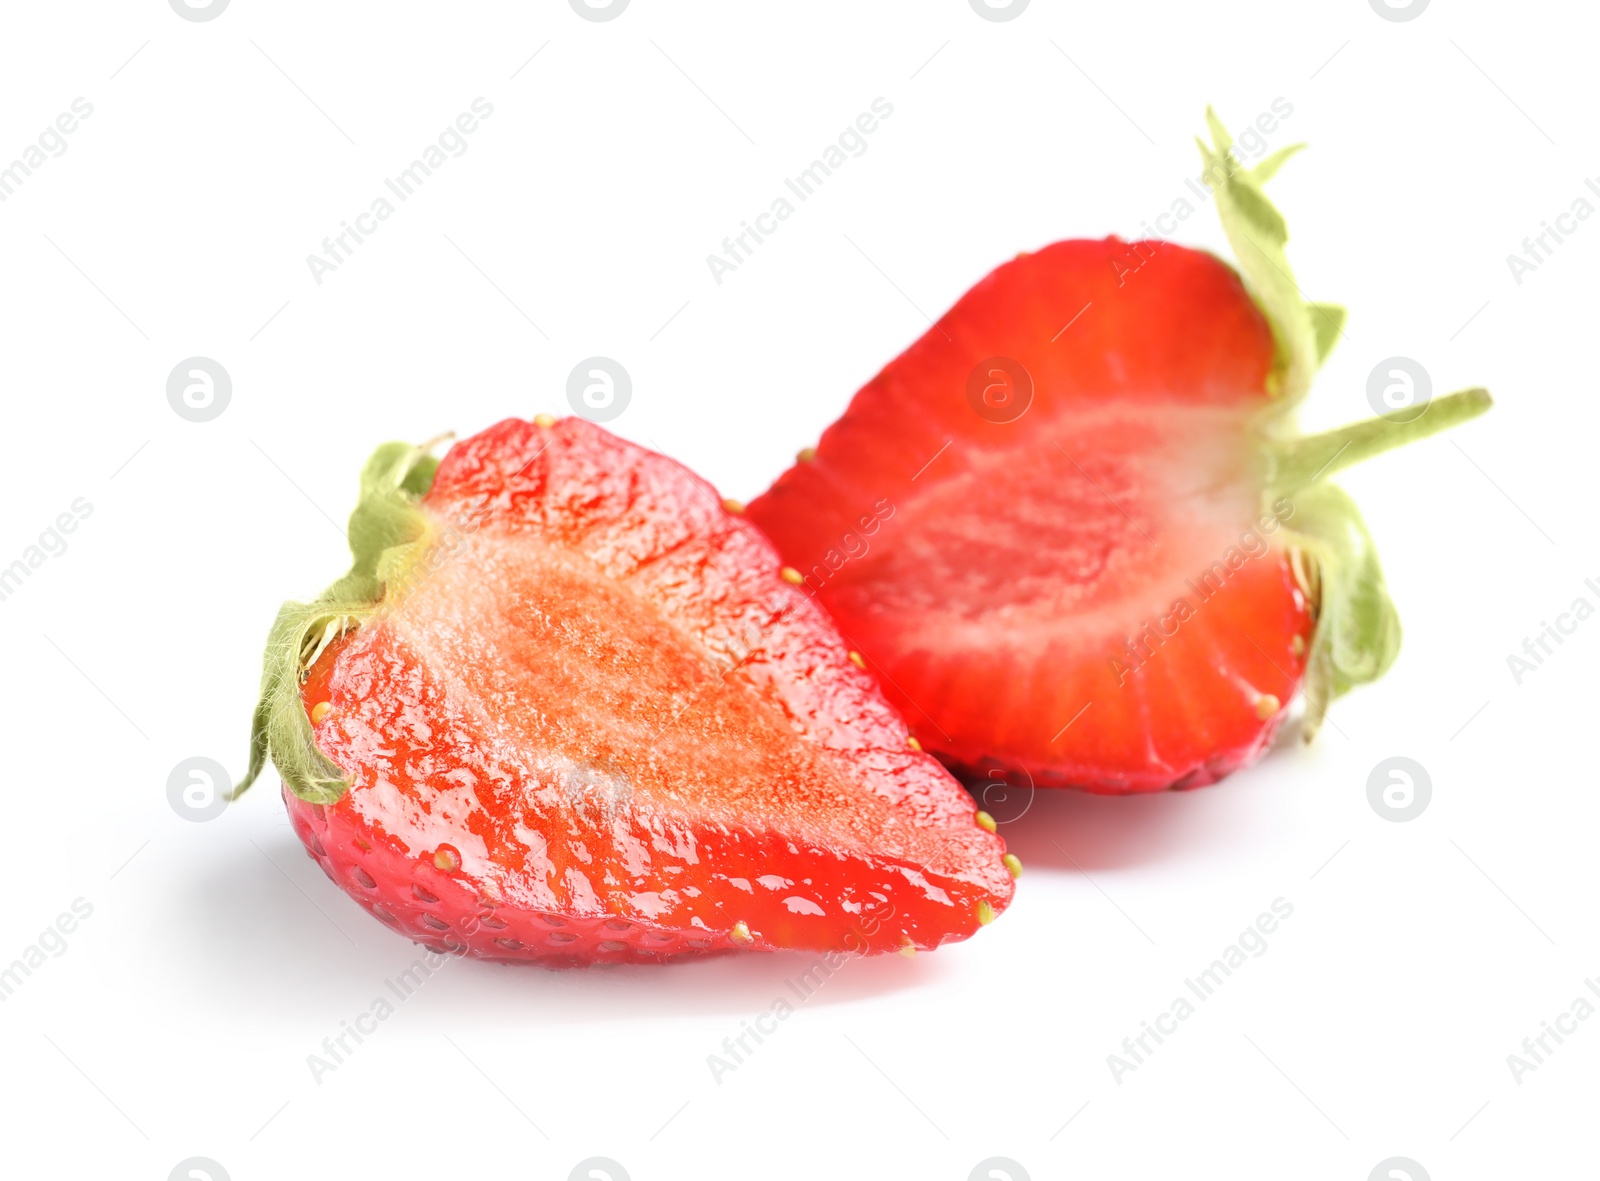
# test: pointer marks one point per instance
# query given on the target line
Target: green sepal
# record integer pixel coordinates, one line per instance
(1268, 168)
(388, 531)
(1327, 323)
(1357, 635)
(1259, 234)
(279, 728)
(386, 517)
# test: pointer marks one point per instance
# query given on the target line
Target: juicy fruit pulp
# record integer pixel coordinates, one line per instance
(1020, 603)
(1110, 562)
(587, 720)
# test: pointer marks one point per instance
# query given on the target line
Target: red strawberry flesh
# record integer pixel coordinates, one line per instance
(627, 735)
(1024, 556)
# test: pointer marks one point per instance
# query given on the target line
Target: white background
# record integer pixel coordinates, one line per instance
(178, 1020)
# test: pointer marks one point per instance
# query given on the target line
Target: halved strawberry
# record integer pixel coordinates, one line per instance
(1074, 526)
(564, 707)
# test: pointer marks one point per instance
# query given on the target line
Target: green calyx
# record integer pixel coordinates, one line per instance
(1357, 633)
(388, 534)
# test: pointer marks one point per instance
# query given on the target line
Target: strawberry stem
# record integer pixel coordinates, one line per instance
(1304, 461)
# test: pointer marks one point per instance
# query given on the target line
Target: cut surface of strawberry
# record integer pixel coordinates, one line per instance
(564, 707)
(1110, 561)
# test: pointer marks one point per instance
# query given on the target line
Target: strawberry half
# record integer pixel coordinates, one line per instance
(1074, 527)
(564, 707)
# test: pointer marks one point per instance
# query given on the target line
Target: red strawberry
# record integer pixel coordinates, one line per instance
(1074, 527)
(564, 708)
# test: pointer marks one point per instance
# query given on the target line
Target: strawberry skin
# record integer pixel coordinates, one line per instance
(1073, 527)
(564, 708)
